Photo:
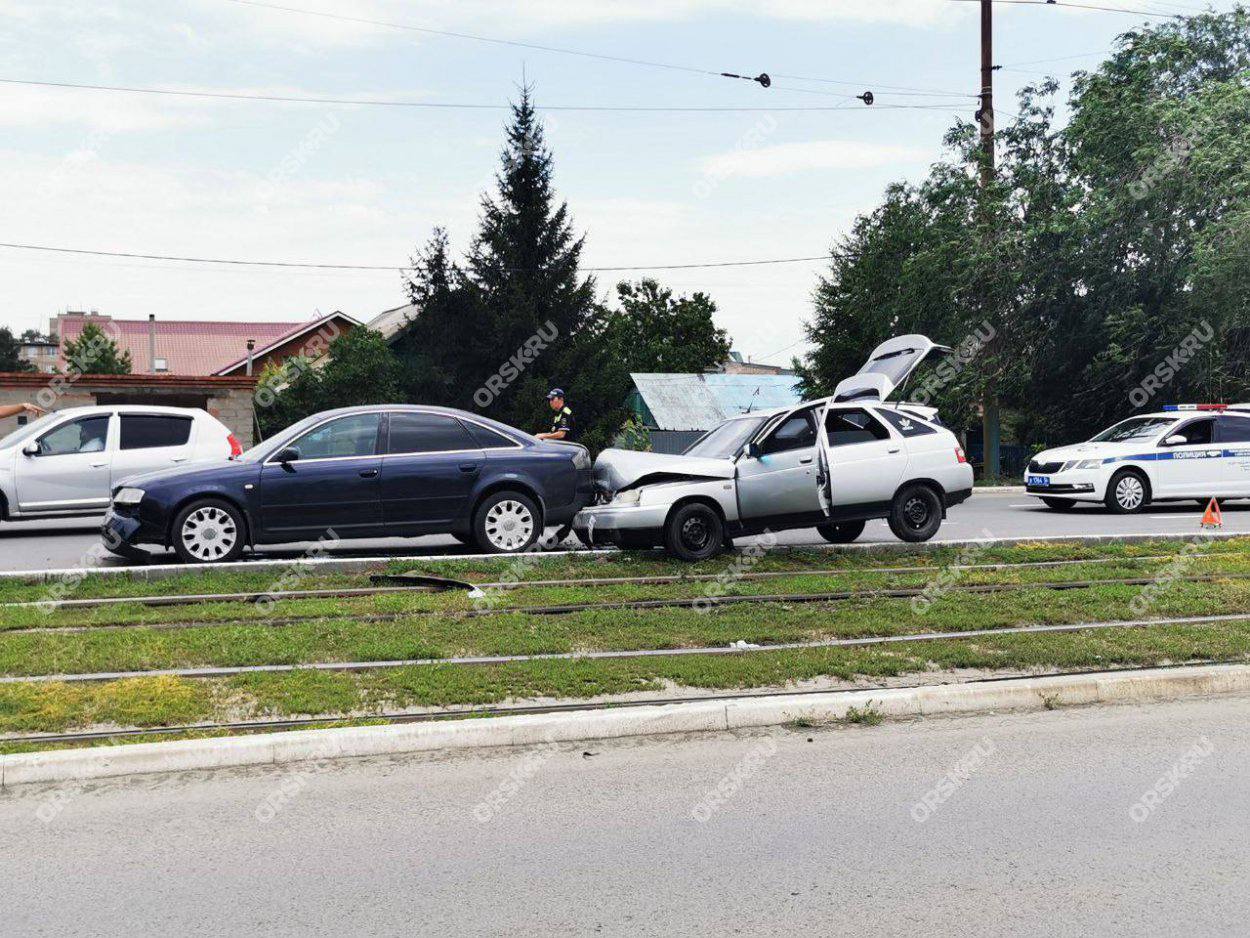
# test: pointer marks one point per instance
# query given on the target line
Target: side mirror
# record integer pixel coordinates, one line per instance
(288, 454)
(1176, 439)
(30, 449)
(753, 450)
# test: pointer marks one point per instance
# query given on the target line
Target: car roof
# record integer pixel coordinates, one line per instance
(89, 409)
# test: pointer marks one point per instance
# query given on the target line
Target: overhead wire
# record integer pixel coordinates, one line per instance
(55, 249)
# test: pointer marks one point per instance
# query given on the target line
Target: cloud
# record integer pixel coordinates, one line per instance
(788, 158)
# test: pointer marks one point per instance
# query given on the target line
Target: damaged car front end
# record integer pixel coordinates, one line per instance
(636, 491)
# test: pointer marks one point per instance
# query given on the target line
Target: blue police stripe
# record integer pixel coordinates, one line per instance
(1204, 454)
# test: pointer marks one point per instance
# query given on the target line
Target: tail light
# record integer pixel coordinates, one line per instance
(959, 455)
(236, 448)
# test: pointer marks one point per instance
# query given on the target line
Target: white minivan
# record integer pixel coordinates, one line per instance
(66, 463)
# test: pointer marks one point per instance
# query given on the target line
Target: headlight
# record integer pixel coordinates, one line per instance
(128, 497)
(632, 497)
(1089, 464)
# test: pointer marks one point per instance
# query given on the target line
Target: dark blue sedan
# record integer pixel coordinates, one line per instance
(358, 472)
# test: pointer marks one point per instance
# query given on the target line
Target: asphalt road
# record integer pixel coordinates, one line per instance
(55, 545)
(817, 834)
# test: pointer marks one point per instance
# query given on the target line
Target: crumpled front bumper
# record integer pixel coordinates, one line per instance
(619, 524)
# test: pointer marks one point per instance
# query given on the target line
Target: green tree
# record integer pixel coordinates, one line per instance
(1100, 246)
(649, 331)
(357, 369)
(519, 282)
(94, 353)
(10, 360)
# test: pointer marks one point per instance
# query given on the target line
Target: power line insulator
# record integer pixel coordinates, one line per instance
(866, 97)
(763, 79)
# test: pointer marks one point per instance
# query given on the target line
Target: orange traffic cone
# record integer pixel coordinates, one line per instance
(1212, 517)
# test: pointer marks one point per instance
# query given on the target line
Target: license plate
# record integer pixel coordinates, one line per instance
(1039, 481)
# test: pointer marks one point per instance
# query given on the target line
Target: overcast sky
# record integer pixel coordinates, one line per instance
(364, 185)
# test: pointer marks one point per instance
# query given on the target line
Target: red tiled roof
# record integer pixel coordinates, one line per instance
(189, 347)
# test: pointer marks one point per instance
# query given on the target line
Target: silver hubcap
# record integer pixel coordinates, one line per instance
(509, 525)
(1129, 492)
(209, 533)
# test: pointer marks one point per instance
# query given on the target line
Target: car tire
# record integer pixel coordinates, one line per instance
(916, 513)
(507, 522)
(694, 532)
(1128, 492)
(1059, 504)
(208, 530)
(841, 533)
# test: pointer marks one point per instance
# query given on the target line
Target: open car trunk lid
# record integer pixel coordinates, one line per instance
(618, 469)
(890, 364)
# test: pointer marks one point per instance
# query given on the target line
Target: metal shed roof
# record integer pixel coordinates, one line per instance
(701, 401)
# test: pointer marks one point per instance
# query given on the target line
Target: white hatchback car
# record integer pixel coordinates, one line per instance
(832, 464)
(66, 463)
(1185, 451)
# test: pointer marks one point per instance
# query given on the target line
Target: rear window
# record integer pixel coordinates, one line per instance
(485, 438)
(905, 424)
(145, 431)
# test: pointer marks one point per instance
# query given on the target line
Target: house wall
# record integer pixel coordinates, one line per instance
(229, 400)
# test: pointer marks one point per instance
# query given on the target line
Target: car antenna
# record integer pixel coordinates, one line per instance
(751, 403)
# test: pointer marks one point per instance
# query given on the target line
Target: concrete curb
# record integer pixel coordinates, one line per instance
(1155, 684)
(997, 490)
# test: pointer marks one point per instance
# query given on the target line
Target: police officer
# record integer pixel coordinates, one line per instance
(562, 420)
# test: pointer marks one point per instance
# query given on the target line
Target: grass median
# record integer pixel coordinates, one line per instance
(435, 627)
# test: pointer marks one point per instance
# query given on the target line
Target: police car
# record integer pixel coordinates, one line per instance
(1185, 451)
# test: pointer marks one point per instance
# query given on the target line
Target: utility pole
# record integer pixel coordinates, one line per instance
(985, 116)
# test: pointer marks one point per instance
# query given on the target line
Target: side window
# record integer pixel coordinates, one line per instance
(485, 438)
(356, 435)
(1196, 433)
(904, 423)
(797, 431)
(847, 427)
(426, 433)
(88, 435)
(144, 431)
(1233, 429)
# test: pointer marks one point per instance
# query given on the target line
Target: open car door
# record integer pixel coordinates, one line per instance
(888, 367)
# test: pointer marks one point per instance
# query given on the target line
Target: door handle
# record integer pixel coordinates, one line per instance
(368, 473)
(805, 461)
(468, 467)
(895, 450)
(178, 459)
(98, 465)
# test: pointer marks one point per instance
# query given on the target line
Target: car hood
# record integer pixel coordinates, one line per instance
(1090, 451)
(617, 469)
(216, 469)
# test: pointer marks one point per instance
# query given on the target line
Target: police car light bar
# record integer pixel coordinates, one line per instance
(1173, 407)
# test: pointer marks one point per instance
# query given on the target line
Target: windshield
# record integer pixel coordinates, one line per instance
(725, 441)
(29, 430)
(1134, 429)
